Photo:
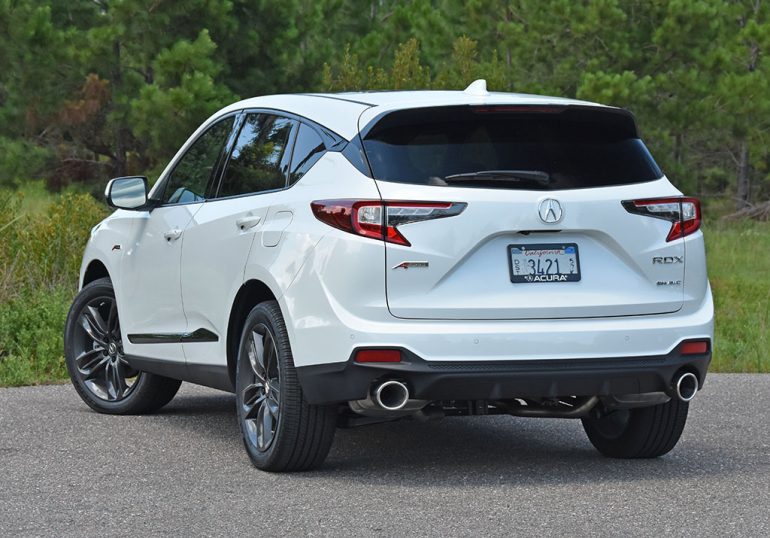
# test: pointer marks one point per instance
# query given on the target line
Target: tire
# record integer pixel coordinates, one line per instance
(93, 353)
(647, 432)
(281, 430)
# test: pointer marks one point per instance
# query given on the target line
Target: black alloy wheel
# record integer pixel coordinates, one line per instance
(99, 359)
(281, 430)
(98, 366)
(261, 392)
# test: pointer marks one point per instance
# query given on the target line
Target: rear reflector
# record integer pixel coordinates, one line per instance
(694, 348)
(683, 213)
(378, 355)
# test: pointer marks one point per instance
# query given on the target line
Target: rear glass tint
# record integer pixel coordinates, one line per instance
(577, 147)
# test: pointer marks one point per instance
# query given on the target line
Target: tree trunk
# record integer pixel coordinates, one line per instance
(742, 193)
(743, 188)
(678, 148)
(119, 162)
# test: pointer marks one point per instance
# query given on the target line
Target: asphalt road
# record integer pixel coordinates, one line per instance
(66, 471)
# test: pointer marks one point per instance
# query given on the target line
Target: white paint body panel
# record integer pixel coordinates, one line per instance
(337, 291)
(468, 276)
(150, 285)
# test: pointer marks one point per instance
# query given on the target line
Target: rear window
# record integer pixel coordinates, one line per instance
(577, 147)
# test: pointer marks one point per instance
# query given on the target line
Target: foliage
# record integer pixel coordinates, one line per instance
(739, 271)
(31, 328)
(44, 251)
(40, 257)
(21, 159)
(113, 87)
(184, 92)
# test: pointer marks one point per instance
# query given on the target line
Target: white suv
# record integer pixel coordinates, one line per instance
(343, 259)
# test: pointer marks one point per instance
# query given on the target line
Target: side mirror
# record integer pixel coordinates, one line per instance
(127, 192)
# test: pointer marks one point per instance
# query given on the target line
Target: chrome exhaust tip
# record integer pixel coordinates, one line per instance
(391, 395)
(686, 386)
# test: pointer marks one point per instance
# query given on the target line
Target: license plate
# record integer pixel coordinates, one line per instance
(546, 262)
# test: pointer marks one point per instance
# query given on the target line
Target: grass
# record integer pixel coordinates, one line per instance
(739, 271)
(32, 319)
(41, 244)
(36, 198)
(31, 327)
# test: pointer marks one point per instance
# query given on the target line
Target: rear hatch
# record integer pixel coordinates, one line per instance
(538, 228)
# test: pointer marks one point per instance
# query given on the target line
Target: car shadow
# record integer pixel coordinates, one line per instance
(460, 450)
(480, 450)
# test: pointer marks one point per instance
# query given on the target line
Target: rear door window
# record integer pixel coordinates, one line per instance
(260, 157)
(572, 147)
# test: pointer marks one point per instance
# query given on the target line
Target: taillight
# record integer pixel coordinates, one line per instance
(379, 219)
(683, 213)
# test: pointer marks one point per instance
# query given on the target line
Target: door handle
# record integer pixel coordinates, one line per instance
(247, 223)
(173, 235)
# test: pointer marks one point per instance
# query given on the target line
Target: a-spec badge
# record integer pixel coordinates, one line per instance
(410, 265)
(550, 211)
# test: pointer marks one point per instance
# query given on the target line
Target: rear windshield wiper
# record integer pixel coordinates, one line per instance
(513, 176)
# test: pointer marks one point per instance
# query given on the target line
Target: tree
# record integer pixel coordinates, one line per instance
(37, 61)
(742, 93)
(108, 87)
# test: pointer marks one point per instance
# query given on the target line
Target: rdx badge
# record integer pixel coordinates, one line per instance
(664, 260)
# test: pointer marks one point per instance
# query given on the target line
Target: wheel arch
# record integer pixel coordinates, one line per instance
(250, 294)
(96, 269)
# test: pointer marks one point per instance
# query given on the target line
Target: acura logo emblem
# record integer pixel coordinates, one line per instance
(550, 211)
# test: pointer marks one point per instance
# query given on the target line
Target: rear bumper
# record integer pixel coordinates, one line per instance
(323, 331)
(478, 380)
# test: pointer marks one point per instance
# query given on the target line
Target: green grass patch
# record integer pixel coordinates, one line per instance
(739, 271)
(31, 328)
(41, 247)
(35, 198)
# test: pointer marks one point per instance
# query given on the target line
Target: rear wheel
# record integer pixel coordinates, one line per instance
(93, 352)
(281, 430)
(646, 432)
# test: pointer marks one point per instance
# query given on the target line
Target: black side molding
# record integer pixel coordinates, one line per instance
(209, 375)
(198, 335)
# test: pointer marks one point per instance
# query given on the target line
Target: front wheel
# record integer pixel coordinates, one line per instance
(281, 430)
(646, 432)
(93, 353)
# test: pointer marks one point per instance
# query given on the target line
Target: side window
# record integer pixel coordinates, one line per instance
(259, 161)
(189, 178)
(307, 150)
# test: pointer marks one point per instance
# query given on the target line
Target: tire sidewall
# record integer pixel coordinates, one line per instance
(97, 288)
(265, 313)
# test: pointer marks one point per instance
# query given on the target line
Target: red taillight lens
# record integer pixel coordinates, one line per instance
(690, 221)
(378, 220)
(378, 355)
(683, 213)
(694, 347)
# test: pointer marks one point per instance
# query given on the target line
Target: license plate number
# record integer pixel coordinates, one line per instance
(546, 262)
